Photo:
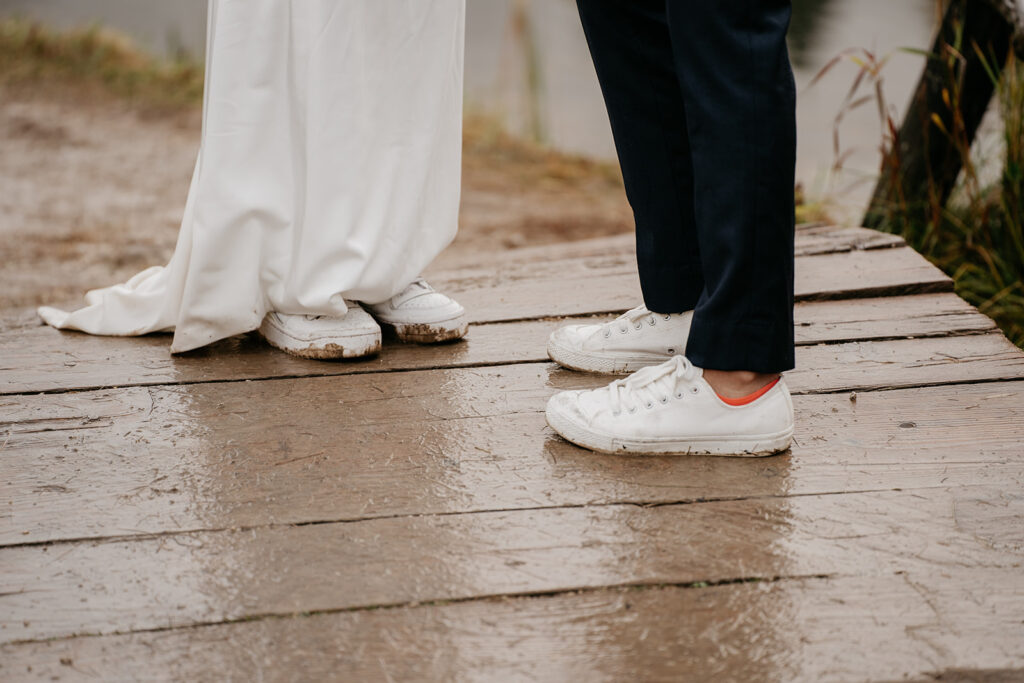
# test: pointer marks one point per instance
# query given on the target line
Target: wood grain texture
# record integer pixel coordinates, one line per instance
(149, 460)
(843, 628)
(858, 366)
(810, 239)
(211, 577)
(585, 286)
(240, 514)
(38, 358)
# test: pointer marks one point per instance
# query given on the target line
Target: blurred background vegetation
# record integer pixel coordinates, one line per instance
(532, 96)
(528, 68)
(954, 195)
(977, 237)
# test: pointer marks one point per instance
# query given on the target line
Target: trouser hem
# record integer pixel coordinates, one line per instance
(753, 347)
(674, 288)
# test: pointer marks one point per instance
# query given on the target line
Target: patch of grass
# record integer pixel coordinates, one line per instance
(977, 238)
(30, 52)
(810, 211)
(980, 240)
(487, 142)
(32, 55)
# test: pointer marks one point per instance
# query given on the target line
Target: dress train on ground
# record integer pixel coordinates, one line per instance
(329, 169)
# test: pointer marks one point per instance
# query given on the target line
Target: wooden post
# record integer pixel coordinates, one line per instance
(922, 166)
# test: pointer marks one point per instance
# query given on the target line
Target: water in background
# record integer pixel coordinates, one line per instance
(527, 63)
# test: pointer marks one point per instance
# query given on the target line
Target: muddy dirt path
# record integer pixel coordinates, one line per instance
(94, 187)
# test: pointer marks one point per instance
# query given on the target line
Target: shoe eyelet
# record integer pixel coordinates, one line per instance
(667, 317)
(663, 400)
(623, 330)
(680, 395)
(671, 352)
(649, 406)
(632, 411)
(694, 389)
(617, 414)
(652, 322)
(607, 334)
(638, 325)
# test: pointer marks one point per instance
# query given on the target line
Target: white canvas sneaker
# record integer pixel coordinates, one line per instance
(420, 314)
(670, 409)
(636, 339)
(324, 337)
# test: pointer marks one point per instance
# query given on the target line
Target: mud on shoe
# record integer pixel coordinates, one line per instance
(421, 314)
(324, 337)
(670, 409)
(637, 339)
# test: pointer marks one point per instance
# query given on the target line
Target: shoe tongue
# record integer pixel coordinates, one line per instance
(416, 288)
(634, 314)
(644, 376)
(656, 373)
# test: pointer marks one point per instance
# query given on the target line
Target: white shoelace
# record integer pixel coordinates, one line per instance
(633, 318)
(413, 290)
(654, 384)
(418, 283)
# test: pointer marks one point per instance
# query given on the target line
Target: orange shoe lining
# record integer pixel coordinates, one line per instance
(749, 398)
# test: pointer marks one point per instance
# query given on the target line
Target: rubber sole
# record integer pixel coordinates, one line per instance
(327, 348)
(759, 446)
(428, 333)
(605, 363)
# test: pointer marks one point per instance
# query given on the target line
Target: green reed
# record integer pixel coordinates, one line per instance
(977, 237)
(30, 52)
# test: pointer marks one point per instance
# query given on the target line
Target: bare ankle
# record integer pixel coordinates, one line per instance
(738, 383)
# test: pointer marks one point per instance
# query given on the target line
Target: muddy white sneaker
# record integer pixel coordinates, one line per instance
(637, 339)
(323, 337)
(670, 409)
(420, 314)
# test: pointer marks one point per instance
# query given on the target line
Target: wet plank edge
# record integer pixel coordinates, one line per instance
(995, 357)
(811, 239)
(561, 628)
(129, 586)
(997, 468)
(598, 288)
(505, 458)
(495, 598)
(145, 362)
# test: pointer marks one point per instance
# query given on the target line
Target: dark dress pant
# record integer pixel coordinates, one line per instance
(702, 102)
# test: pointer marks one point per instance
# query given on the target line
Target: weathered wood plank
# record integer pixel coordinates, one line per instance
(858, 366)
(210, 577)
(584, 286)
(811, 239)
(848, 628)
(923, 315)
(38, 358)
(825, 239)
(147, 460)
(919, 167)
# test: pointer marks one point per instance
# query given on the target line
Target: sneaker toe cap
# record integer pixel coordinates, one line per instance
(427, 309)
(431, 301)
(565, 404)
(569, 337)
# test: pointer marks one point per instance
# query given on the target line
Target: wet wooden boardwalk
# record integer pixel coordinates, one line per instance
(237, 514)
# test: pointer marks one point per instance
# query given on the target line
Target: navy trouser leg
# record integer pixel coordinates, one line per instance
(701, 98)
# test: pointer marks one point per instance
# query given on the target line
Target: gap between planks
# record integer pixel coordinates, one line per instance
(588, 635)
(144, 363)
(640, 504)
(875, 386)
(324, 567)
(699, 584)
(347, 458)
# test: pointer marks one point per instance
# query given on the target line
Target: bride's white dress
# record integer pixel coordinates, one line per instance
(329, 168)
